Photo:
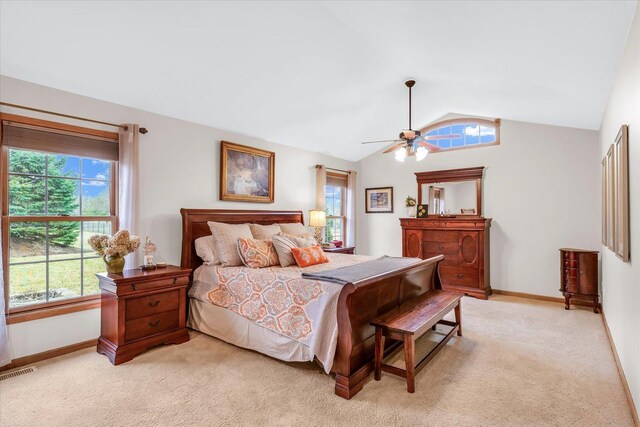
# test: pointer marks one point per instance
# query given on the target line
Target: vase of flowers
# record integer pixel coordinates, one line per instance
(410, 203)
(113, 249)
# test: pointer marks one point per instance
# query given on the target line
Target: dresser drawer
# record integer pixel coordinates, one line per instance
(449, 259)
(441, 236)
(160, 283)
(571, 263)
(152, 304)
(460, 276)
(441, 248)
(151, 325)
(570, 284)
(570, 272)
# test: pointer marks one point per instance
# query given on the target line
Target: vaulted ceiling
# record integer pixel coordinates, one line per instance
(325, 76)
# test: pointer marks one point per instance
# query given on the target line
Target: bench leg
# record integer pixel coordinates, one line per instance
(379, 353)
(459, 317)
(409, 360)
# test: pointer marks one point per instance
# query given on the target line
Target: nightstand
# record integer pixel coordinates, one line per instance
(343, 250)
(142, 309)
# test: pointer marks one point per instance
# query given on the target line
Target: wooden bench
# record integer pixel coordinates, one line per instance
(410, 321)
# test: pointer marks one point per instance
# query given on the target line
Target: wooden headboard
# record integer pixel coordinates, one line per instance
(194, 225)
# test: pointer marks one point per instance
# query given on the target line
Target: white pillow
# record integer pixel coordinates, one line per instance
(264, 232)
(305, 242)
(206, 249)
(283, 247)
(226, 238)
(295, 229)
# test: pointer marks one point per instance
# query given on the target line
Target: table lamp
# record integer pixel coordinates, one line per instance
(318, 219)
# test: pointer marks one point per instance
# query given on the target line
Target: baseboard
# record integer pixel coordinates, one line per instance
(39, 357)
(579, 302)
(623, 378)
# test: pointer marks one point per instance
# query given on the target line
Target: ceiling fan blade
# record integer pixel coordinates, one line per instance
(425, 144)
(452, 136)
(394, 147)
(383, 140)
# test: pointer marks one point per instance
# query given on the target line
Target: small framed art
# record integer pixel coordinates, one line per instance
(379, 200)
(246, 173)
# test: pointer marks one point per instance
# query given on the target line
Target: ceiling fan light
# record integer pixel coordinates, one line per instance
(400, 154)
(421, 153)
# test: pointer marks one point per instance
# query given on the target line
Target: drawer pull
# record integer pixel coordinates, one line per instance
(175, 279)
(566, 263)
(135, 287)
(459, 276)
(154, 303)
(154, 323)
(441, 247)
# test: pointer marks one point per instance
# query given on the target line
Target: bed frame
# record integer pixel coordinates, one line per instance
(358, 303)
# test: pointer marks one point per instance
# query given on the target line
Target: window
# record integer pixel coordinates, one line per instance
(463, 133)
(335, 196)
(54, 202)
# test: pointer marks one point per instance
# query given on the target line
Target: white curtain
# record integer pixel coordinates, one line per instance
(5, 356)
(129, 180)
(351, 209)
(321, 181)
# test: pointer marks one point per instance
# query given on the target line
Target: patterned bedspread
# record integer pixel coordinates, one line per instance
(279, 299)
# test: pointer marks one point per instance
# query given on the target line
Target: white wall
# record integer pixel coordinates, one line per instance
(621, 281)
(539, 187)
(179, 169)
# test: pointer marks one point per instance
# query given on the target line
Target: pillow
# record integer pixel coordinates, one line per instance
(226, 238)
(263, 232)
(206, 249)
(294, 228)
(309, 256)
(256, 253)
(305, 242)
(283, 247)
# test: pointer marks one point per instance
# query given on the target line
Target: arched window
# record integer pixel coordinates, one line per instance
(464, 132)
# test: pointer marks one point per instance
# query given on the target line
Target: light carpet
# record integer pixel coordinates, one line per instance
(520, 362)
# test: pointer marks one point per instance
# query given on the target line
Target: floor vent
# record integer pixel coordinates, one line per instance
(17, 373)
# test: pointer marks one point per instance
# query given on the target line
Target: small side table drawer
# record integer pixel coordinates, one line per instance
(151, 325)
(152, 304)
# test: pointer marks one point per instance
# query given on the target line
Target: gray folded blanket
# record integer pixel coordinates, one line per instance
(354, 273)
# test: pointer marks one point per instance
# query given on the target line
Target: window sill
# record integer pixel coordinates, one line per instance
(44, 312)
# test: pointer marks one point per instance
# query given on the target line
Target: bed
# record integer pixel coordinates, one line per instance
(352, 306)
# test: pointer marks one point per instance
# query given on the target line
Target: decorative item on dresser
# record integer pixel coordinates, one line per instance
(342, 250)
(142, 309)
(579, 275)
(463, 239)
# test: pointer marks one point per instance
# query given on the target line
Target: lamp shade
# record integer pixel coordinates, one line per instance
(317, 218)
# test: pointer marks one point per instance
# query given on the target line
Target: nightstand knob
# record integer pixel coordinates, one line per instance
(154, 303)
(154, 323)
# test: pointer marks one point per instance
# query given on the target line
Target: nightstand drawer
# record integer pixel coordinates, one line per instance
(157, 303)
(160, 283)
(442, 248)
(150, 325)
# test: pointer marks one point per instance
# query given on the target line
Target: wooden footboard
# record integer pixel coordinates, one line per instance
(359, 303)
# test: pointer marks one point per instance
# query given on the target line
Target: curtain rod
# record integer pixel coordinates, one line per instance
(38, 110)
(333, 169)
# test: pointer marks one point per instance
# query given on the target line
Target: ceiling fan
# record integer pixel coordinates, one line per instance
(411, 142)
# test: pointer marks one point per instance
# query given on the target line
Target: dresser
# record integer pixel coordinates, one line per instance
(464, 242)
(579, 275)
(140, 310)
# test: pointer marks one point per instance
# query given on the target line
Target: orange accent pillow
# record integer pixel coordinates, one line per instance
(309, 256)
(256, 253)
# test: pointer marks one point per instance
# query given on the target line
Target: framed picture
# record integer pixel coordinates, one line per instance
(422, 211)
(379, 200)
(246, 173)
(603, 171)
(610, 211)
(621, 158)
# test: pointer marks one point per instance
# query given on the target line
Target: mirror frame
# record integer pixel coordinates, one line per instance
(453, 175)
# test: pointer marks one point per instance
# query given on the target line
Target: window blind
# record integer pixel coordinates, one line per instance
(30, 137)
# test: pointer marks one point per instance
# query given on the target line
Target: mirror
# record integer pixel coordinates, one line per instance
(453, 192)
(450, 198)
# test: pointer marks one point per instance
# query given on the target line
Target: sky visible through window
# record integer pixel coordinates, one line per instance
(463, 135)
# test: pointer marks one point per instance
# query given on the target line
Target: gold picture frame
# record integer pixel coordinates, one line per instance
(621, 159)
(246, 173)
(610, 198)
